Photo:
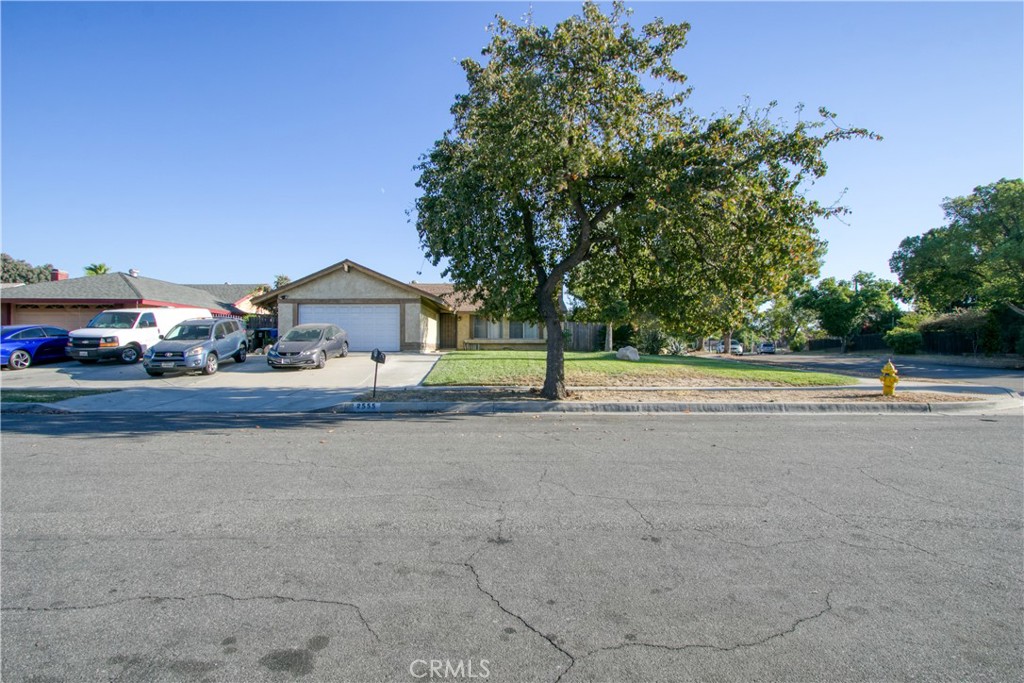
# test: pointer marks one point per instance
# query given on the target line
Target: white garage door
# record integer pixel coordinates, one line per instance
(369, 327)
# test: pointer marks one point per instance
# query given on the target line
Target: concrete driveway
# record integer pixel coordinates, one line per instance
(252, 386)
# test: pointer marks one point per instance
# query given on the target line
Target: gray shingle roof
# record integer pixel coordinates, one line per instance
(227, 292)
(117, 287)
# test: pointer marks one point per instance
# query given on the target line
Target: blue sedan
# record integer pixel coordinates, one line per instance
(23, 345)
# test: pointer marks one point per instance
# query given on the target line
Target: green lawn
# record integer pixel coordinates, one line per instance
(526, 368)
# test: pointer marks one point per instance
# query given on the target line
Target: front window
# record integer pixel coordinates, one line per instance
(486, 329)
(114, 320)
(188, 333)
(147, 320)
(521, 330)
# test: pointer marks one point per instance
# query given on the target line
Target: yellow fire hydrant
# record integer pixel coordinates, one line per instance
(889, 379)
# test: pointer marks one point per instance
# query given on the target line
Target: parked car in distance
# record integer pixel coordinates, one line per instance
(308, 345)
(23, 345)
(766, 347)
(126, 333)
(197, 344)
(735, 347)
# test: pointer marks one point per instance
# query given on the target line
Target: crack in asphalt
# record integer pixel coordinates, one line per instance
(722, 648)
(550, 640)
(648, 522)
(157, 599)
(872, 532)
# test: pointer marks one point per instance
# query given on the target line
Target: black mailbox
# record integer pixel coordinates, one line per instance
(378, 356)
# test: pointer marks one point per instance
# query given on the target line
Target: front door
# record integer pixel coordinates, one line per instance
(449, 331)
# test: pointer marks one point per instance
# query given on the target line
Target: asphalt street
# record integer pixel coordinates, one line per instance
(910, 368)
(512, 548)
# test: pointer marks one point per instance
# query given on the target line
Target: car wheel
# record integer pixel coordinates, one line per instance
(153, 373)
(321, 360)
(130, 354)
(19, 360)
(344, 349)
(240, 355)
(210, 367)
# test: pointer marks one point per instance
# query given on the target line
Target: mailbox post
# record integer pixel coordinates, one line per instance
(378, 357)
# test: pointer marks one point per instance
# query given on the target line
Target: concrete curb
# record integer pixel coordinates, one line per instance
(505, 407)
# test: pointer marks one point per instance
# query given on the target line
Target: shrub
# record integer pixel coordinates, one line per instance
(651, 340)
(676, 347)
(904, 340)
(798, 342)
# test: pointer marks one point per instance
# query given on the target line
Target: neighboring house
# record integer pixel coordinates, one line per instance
(71, 303)
(379, 312)
(238, 296)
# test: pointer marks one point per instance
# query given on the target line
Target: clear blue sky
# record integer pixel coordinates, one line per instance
(212, 142)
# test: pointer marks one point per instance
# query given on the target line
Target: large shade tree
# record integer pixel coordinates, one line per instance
(21, 271)
(976, 259)
(574, 162)
(847, 307)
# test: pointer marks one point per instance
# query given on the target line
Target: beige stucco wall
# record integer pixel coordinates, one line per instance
(350, 285)
(429, 328)
(285, 317)
(463, 329)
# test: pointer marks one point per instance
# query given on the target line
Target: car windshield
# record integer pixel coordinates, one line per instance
(308, 334)
(114, 319)
(189, 333)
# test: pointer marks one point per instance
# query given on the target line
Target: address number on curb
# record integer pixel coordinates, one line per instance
(366, 407)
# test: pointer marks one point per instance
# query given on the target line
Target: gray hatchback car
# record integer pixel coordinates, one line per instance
(197, 344)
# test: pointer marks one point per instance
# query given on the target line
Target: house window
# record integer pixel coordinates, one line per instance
(486, 329)
(521, 330)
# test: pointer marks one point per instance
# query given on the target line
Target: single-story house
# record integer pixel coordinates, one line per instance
(72, 302)
(383, 313)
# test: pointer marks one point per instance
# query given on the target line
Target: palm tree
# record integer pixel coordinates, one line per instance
(97, 269)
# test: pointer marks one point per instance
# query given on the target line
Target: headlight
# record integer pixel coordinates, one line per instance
(108, 342)
(148, 355)
(308, 352)
(273, 351)
(197, 351)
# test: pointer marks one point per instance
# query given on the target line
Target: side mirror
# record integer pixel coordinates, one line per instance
(161, 336)
(219, 337)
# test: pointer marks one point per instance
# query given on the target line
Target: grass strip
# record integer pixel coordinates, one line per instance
(526, 368)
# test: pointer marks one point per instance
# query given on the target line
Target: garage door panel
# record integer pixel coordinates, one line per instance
(369, 326)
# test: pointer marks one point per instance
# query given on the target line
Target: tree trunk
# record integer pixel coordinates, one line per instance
(608, 337)
(554, 377)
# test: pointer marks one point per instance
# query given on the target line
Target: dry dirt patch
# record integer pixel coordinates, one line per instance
(690, 396)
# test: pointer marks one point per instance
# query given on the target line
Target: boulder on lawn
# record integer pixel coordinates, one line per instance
(628, 353)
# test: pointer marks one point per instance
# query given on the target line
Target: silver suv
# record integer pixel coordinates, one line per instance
(197, 344)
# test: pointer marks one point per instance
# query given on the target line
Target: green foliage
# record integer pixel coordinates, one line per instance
(97, 269)
(1019, 345)
(991, 339)
(17, 270)
(904, 340)
(848, 307)
(651, 340)
(621, 336)
(976, 259)
(798, 342)
(281, 280)
(572, 161)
